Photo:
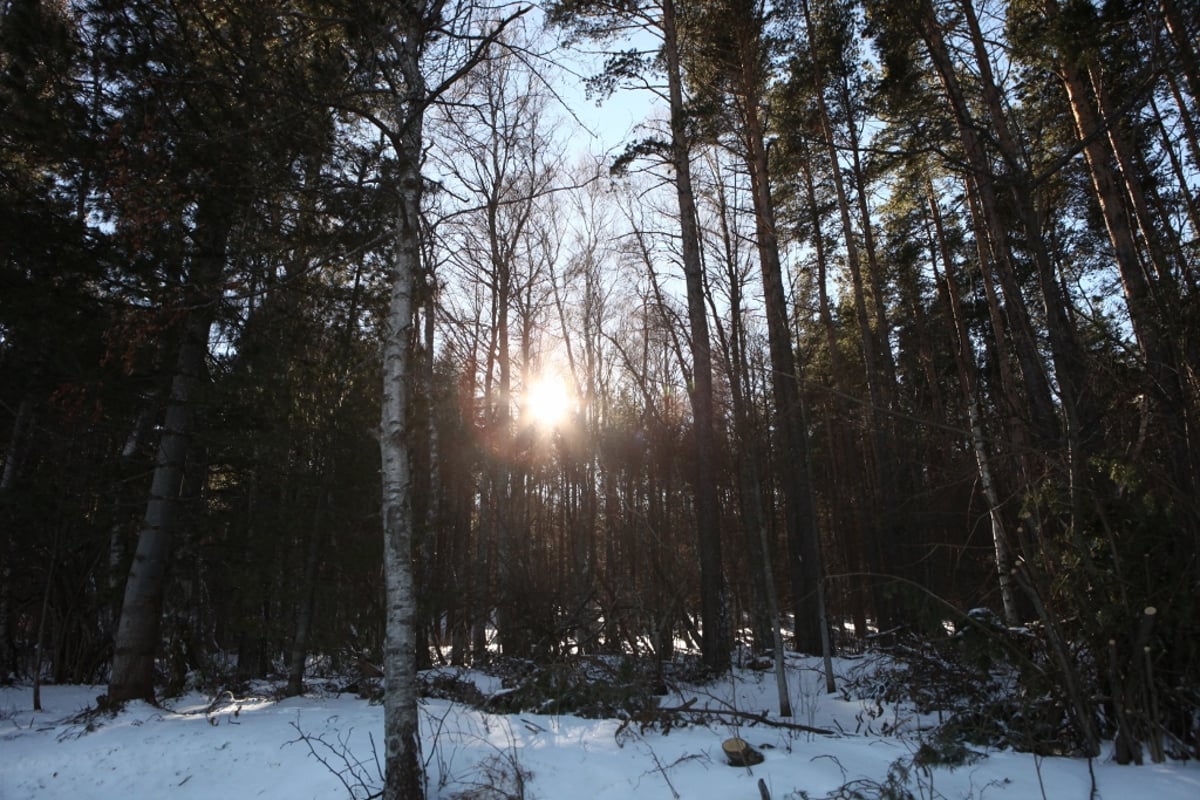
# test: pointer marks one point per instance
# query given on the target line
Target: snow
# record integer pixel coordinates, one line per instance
(225, 748)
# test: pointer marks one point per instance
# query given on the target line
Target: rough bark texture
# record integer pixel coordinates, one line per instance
(141, 611)
(137, 639)
(994, 230)
(765, 614)
(1079, 409)
(298, 657)
(879, 370)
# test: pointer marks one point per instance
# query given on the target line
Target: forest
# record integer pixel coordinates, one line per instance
(341, 333)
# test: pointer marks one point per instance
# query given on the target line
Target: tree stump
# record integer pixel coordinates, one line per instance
(739, 753)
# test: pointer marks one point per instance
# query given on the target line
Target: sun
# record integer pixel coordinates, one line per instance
(546, 401)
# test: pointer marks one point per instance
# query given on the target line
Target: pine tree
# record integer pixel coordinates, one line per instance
(663, 20)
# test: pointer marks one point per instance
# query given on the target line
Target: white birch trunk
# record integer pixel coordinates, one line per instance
(400, 662)
(401, 742)
(403, 779)
(966, 372)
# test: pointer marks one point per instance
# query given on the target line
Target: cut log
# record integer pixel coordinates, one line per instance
(740, 753)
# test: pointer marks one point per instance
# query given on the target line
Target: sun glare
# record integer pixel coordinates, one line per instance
(547, 401)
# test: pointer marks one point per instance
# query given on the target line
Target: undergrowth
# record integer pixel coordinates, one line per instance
(986, 685)
(593, 687)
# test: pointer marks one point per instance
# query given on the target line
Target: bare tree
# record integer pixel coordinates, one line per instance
(660, 20)
(398, 56)
(494, 155)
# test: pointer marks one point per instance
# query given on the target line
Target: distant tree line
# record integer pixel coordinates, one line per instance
(890, 313)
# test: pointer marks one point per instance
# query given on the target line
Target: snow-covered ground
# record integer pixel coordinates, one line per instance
(257, 747)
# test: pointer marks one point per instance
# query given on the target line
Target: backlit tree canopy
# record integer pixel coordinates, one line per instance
(887, 311)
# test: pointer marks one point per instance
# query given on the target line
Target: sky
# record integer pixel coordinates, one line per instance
(609, 122)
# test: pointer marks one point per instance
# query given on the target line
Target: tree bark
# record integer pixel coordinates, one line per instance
(964, 359)
(993, 227)
(716, 637)
(1080, 412)
(306, 604)
(848, 529)
(1175, 21)
(137, 639)
(879, 368)
(804, 542)
(767, 630)
(1191, 200)
(1149, 299)
(402, 768)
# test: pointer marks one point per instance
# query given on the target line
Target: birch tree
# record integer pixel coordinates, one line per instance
(398, 56)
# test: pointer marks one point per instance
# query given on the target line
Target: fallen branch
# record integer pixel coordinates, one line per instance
(688, 708)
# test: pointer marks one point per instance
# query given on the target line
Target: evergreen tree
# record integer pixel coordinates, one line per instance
(663, 21)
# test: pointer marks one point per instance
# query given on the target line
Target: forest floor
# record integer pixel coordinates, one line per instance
(328, 744)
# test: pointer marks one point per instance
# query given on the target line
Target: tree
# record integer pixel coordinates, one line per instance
(394, 42)
(735, 352)
(828, 67)
(602, 20)
(730, 63)
(186, 108)
(51, 320)
(493, 152)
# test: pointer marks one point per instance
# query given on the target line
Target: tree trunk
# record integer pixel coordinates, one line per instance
(1191, 129)
(481, 598)
(859, 555)
(804, 542)
(432, 608)
(306, 606)
(765, 613)
(1184, 40)
(1191, 200)
(22, 425)
(716, 637)
(994, 229)
(879, 369)
(137, 640)
(1147, 299)
(118, 568)
(1079, 408)
(964, 359)
(402, 769)
(1137, 285)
